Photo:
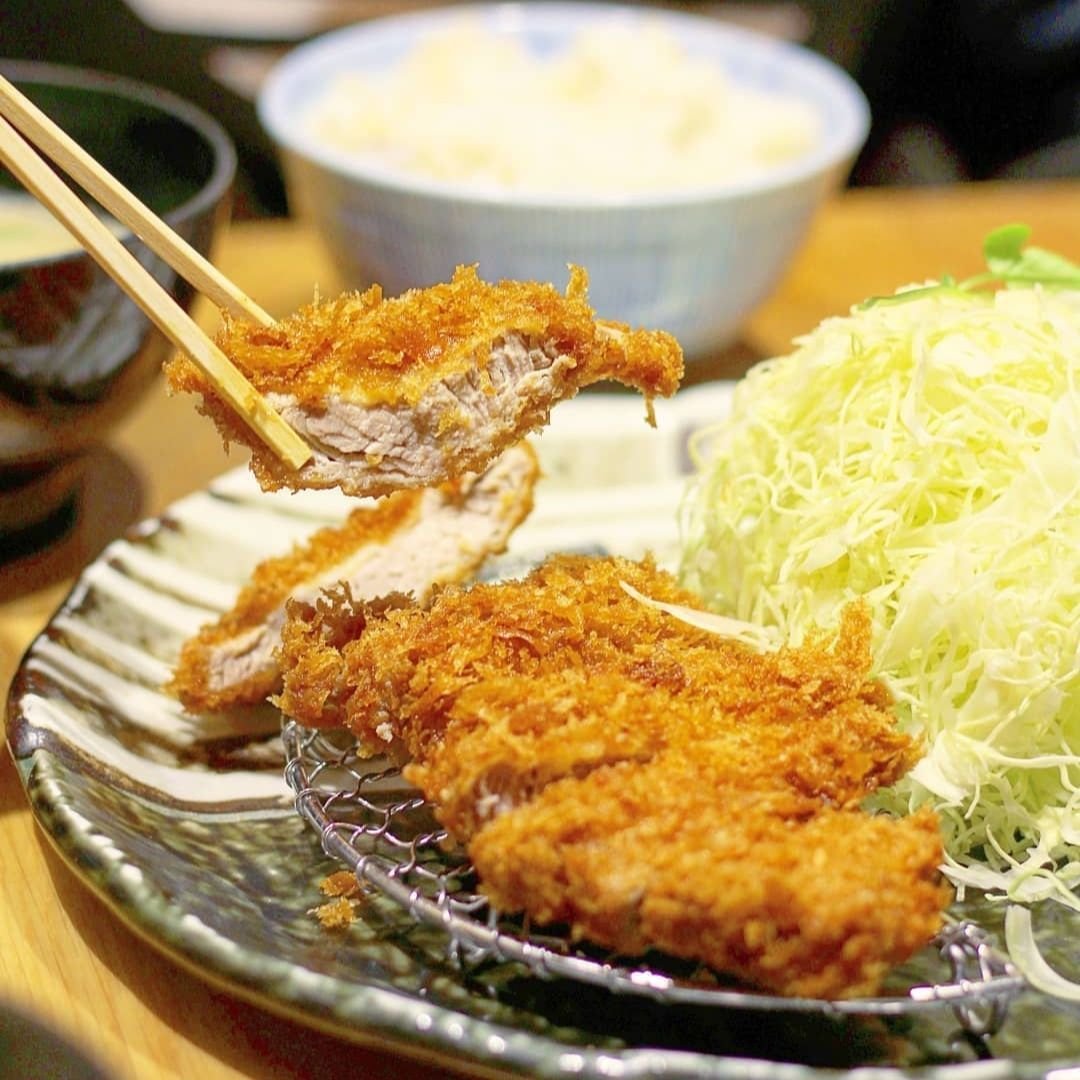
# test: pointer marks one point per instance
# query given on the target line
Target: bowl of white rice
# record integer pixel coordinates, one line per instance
(678, 158)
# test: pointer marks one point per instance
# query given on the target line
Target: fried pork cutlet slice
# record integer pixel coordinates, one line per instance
(762, 883)
(396, 684)
(641, 780)
(405, 546)
(414, 390)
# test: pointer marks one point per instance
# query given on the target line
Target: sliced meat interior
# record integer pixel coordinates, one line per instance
(405, 545)
(411, 391)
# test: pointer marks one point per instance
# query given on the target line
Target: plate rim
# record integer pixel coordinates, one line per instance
(377, 1018)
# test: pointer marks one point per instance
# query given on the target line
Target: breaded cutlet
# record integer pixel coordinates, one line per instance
(410, 391)
(601, 759)
(406, 544)
(704, 855)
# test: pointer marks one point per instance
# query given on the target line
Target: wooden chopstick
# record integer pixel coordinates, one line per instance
(56, 144)
(94, 235)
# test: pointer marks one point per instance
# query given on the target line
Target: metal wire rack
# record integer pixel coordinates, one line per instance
(373, 822)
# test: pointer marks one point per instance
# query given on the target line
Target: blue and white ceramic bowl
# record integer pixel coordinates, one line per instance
(694, 261)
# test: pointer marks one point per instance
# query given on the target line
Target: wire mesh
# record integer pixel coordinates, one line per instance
(372, 821)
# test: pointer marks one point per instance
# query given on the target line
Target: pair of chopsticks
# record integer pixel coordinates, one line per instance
(22, 127)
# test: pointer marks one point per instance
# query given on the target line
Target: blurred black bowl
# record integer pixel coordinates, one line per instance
(75, 352)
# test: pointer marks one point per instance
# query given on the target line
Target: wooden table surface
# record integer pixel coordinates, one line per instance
(63, 956)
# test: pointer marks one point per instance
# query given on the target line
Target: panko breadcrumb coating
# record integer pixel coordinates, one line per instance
(644, 782)
(404, 545)
(417, 389)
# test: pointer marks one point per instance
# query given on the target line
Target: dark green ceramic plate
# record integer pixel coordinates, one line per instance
(184, 824)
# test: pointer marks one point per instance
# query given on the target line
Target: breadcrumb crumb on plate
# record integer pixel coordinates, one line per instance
(339, 912)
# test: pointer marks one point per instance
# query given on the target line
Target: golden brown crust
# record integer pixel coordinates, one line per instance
(275, 579)
(640, 780)
(270, 584)
(377, 351)
(390, 351)
(764, 884)
(572, 614)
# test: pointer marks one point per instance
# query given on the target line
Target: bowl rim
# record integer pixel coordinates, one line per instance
(280, 118)
(224, 166)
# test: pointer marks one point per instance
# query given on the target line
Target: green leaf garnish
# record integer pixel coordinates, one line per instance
(946, 284)
(1005, 246)
(1009, 260)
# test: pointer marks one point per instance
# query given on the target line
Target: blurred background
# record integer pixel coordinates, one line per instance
(968, 89)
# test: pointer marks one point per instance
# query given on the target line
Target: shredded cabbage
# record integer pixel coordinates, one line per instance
(923, 452)
(1028, 958)
(760, 638)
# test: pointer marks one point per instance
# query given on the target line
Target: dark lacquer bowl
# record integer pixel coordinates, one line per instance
(75, 352)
